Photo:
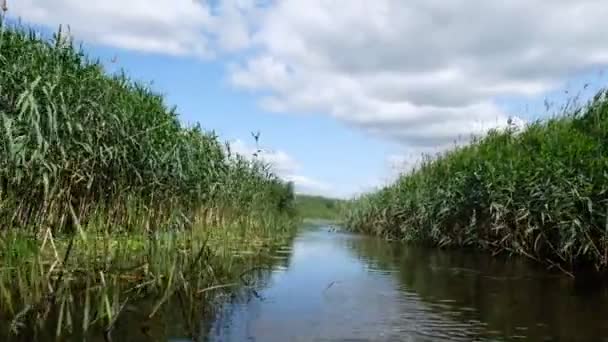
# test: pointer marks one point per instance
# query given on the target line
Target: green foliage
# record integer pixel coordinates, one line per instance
(77, 143)
(318, 207)
(540, 192)
(54, 288)
(162, 212)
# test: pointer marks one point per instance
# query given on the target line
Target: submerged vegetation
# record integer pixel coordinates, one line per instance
(105, 198)
(540, 191)
(158, 286)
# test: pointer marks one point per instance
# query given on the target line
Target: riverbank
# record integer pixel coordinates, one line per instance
(77, 288)
(318, 207)
(540, 191)
(106, 199)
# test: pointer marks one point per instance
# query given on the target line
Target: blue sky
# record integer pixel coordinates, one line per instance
(326, 150)
(344, 93)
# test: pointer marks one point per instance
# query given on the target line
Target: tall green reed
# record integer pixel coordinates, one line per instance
(71, 287)
(107, 200)
(540, 191)
(76, 141)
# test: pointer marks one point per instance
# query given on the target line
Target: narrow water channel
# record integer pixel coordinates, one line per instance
(336, 286)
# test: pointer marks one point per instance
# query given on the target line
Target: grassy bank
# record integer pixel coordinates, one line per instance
(540, 191)
(106, 199)
(318, 207)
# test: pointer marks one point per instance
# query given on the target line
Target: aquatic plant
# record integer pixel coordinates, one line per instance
(77, 144)
(106, 199)
(539, 191)
(57, 287)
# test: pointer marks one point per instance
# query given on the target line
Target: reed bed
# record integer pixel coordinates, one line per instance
(107, 200)
(538, 191)
(58, 288)
(318, 207)
(78, 144)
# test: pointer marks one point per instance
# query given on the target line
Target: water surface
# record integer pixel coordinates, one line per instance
(342, 287)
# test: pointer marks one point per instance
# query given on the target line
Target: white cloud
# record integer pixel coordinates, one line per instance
(280, 161)
(176, 27)
(234, 21)
(424, 73)
(307, 185)
(285, 166)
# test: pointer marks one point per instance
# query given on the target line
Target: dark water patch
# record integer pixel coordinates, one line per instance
(333, 286)
(342, 287)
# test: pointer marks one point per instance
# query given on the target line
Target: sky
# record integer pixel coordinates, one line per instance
(345, 93)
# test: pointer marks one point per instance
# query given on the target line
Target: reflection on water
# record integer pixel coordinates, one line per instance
(341, 287)
(179, 319)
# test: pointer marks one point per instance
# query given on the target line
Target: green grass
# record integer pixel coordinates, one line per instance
(539, 192)
(106, 200)
(318, 207)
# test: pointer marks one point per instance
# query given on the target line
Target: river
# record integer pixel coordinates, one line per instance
(335, 286)
(327, 285)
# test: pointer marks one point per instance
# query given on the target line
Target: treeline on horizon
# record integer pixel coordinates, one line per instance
(79, 146)
(318, 207)
(539, 191)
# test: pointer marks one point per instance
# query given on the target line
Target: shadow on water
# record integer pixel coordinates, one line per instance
(333, 286)
(342, 287)
(506, 297)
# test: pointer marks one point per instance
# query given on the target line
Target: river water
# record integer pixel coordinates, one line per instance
(334, 286)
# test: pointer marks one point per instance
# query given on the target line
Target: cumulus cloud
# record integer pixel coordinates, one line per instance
(284, 165)
(308, 185)
(423, 73)
(176, 27)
